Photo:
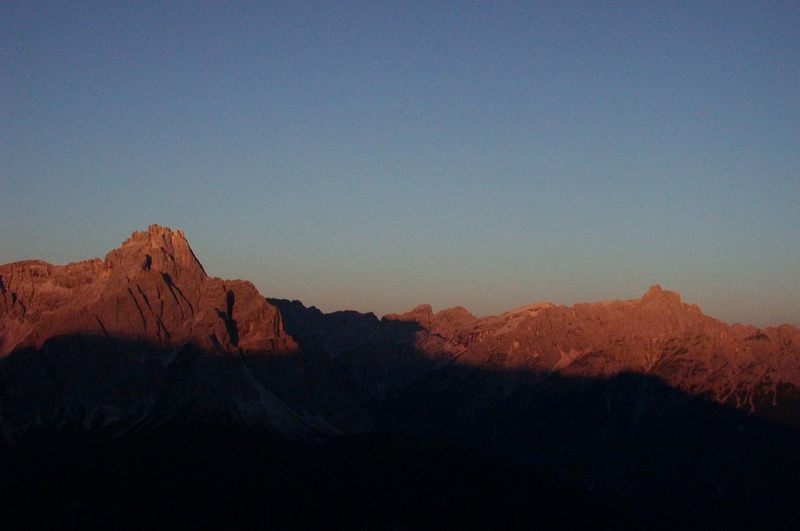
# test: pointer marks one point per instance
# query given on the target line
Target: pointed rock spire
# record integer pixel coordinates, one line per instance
(656, 293)
(156, 249)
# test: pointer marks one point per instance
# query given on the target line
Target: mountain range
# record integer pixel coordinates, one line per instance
(646, 411)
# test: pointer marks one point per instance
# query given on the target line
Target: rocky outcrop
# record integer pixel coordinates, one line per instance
(150, 307)
(152, 288)
(751, 369)
(656, 335)
(145, 337)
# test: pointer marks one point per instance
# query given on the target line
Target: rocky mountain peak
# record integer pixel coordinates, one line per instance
(152, 288)
(456, 313)
(421, 314)
(657, 294)
(156, 249)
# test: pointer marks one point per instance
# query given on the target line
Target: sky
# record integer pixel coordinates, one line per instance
(375, 156)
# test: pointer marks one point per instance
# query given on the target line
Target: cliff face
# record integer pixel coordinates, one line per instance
(658, 336)
(152, 288)
(671, 411)
(151, 301)
(145, 337)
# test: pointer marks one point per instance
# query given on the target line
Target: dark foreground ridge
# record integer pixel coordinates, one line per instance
(137, 391)
(567, 453)
(198, 476)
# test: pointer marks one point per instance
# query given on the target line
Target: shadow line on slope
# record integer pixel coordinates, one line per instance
(202, 466)
(668, 455)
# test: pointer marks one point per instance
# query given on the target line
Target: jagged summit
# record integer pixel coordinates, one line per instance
(146, 337)
(151, 288)
(158, 248)
(419, 312)
(657, 293)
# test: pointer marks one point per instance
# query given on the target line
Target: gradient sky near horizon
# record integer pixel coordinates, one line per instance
(376, 156)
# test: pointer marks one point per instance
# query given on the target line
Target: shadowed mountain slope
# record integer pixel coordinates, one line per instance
(751, 369)
(144, 337)
(684, 420)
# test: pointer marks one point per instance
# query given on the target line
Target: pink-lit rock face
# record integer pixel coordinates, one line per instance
(152, 288)
(656, 335)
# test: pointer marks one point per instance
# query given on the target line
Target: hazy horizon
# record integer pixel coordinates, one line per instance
(376, 157)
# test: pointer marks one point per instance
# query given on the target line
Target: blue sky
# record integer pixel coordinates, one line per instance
(376, 156)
